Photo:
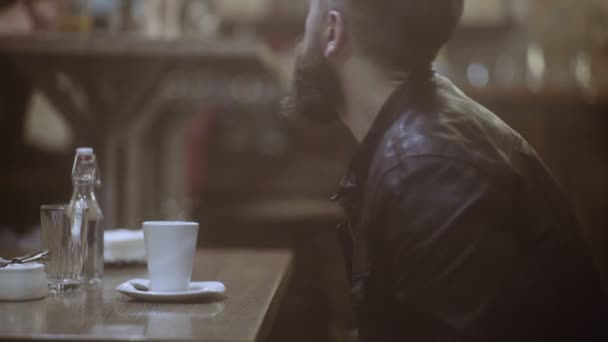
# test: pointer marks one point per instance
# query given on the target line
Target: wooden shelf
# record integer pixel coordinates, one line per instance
(107, 45)
(526, 96)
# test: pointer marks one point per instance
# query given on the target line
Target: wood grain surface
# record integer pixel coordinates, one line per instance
(255, 282)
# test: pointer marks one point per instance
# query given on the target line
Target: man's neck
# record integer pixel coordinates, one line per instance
(366, 90)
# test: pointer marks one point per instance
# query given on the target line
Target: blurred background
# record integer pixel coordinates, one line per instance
(180, 99)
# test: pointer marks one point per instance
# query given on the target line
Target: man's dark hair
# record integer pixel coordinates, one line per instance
(403, 35)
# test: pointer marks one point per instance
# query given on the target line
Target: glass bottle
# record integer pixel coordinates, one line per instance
(75, 16)
(85, 177)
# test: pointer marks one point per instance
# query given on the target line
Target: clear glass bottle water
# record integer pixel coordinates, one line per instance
(85, 177)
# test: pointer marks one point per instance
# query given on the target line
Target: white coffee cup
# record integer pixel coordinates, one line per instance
(170, 248)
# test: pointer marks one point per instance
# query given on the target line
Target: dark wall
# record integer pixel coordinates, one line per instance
(28, 177)
(571, 138)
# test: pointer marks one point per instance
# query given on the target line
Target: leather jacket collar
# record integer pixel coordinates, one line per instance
(417, 90)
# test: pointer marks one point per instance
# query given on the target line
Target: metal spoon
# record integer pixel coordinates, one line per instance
(140, 287)
(36, 256)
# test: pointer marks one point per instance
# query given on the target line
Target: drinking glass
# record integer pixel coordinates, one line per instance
(64, 234)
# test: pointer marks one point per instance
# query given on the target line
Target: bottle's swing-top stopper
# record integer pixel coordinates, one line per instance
(84, 151)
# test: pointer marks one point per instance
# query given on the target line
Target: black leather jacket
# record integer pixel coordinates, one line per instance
(457, 231)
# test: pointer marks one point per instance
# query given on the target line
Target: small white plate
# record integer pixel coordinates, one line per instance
(197, 291)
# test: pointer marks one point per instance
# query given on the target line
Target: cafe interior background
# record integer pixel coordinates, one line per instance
(180, 101)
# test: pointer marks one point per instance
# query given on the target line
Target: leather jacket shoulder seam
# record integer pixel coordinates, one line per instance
(401, 164)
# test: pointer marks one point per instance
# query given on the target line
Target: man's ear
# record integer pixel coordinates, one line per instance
(334, 36)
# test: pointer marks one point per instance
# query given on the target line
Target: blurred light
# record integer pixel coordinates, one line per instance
(583, 72)
(478, 75)
(536, 66)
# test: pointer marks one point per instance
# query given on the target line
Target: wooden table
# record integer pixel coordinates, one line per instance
(255, 281)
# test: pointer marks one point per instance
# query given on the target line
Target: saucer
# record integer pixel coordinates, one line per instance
(196, 291)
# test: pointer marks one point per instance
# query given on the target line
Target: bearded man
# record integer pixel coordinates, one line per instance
(456, 229)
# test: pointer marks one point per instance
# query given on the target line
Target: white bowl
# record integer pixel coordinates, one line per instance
(23, 282)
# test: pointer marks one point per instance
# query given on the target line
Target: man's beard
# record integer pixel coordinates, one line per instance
(315, 93)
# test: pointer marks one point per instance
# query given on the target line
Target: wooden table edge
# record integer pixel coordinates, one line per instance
(280, 292)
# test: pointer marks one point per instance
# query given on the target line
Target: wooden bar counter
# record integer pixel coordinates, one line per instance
(255, 282)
